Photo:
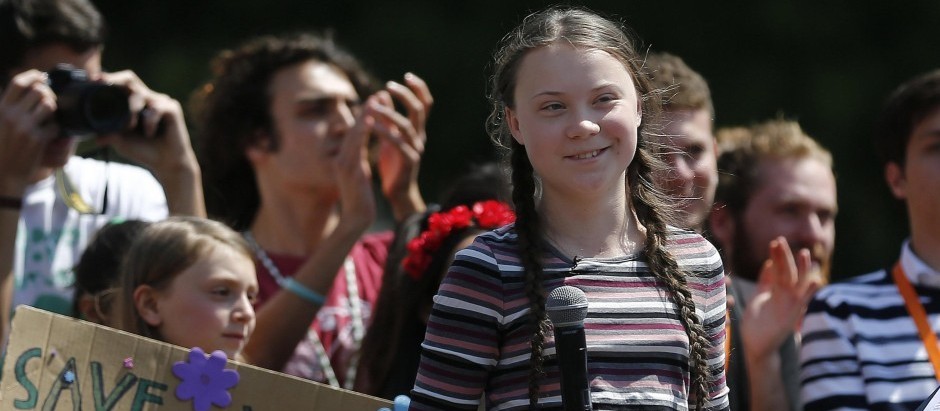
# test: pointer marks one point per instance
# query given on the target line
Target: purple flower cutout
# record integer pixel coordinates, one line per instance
(205, 380)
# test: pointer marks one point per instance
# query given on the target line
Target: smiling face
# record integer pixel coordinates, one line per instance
(313, 105)
(209, 304)
(579, 131)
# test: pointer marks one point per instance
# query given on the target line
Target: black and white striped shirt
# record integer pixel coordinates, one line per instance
(861, 349)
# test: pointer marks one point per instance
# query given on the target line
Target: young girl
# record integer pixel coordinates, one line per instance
(569, 104)
(190, 282)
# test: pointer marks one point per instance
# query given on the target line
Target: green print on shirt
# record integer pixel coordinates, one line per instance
(47, 278)
(43, 242)
(41, 247)
(43, 274)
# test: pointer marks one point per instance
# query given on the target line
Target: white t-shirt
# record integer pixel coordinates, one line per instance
(51, 236)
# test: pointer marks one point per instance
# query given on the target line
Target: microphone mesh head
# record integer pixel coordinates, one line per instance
(566, 306)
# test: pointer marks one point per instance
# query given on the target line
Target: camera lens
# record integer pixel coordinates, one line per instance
(106, 109)
(86, 106)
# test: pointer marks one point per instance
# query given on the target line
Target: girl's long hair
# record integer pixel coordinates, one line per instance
(587, 30)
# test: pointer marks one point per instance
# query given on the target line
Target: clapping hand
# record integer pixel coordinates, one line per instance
(785, 286)
(401, 141)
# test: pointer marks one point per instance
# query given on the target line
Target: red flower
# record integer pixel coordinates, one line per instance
(415, 264)
(488, 215)
(493, 214)
(460, 217)
(443, 223)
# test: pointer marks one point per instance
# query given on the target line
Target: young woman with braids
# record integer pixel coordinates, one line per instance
(570, 106)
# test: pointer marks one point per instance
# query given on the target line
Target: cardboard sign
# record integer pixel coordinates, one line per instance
(55, 362)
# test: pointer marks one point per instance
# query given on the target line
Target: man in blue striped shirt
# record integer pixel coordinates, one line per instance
(870, 343)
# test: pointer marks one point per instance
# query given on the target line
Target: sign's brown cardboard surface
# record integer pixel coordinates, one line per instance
(55, 362)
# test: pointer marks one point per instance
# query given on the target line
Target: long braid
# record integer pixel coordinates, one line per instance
(665, 268)
(528, 231)
(585, 29)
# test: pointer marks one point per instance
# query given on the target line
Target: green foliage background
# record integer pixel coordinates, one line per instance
(828, 64)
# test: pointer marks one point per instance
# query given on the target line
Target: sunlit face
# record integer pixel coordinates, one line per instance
(45, 58)
(918, 182)
(313, 105)
(209, 304)
(796, 199)
(689, 148)
(576, 112)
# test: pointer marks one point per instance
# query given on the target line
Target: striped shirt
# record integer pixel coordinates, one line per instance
(861, 349)
(477, 341)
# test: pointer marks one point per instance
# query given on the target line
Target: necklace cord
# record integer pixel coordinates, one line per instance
(353, 302)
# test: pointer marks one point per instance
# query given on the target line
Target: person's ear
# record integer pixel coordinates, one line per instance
(721, 223)
(145, 302)
(86, 308)
(897, 182)
(513, 122)
(639, 111)
(260, 149)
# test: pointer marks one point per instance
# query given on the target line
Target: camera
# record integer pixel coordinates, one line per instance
(88, 107)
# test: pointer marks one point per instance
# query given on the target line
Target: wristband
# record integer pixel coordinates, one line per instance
(303, 292)
(13, 203)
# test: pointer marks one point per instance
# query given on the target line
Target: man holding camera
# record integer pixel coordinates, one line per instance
(51, 202)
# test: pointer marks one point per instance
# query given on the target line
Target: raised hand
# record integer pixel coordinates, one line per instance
(26, 110)
(354, 174)
(156, 152)
(784, 289)
(401, 142)
(162, 144)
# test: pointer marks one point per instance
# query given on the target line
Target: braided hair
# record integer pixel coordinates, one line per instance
(584, 29)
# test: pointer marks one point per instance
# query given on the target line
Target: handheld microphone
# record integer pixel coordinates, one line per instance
(566, 308)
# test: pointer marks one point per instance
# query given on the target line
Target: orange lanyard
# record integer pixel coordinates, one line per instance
(727, 339)
(917, 312)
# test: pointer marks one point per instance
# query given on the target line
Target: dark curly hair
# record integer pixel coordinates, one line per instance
(233, 112)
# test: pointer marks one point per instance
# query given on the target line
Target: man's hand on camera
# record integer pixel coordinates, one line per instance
(150, 112)
(27, 105)
(157, 138)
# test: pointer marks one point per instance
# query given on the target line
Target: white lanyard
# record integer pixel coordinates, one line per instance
(358, 331)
